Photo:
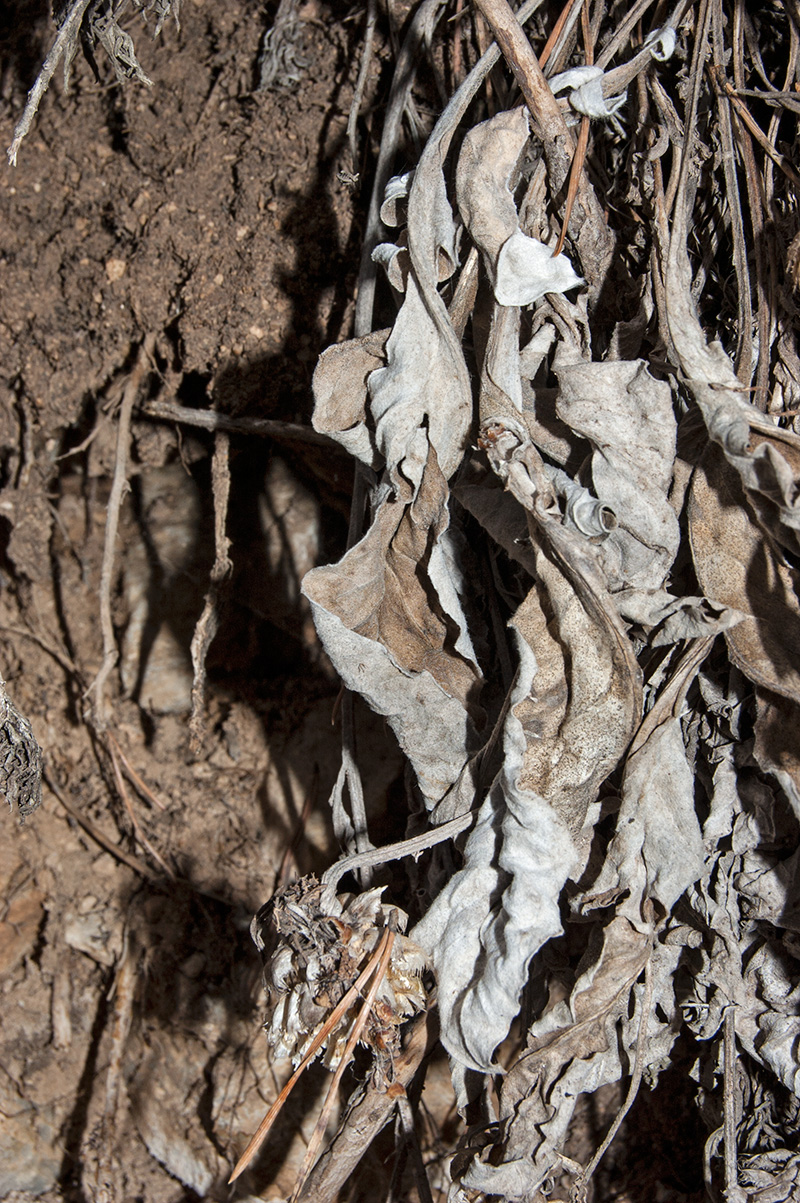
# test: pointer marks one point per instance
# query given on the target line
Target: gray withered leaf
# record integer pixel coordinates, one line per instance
(628, 417)
(389, 617)
(673, 619)
(522, 269)
(340, 393)
(657, 813)
(520, 853)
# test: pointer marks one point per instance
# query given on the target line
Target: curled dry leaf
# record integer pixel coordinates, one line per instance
(576, 1046)
(669, 619)
(657, 813)
(522, 269)
(340, 393)
(559, 745)
(627, 415)
(389, 643)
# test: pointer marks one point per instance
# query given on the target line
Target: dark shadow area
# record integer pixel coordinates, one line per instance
(24, 29)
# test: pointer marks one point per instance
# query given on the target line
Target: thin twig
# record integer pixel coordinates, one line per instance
(744, 340)
(361, 83)
(579, 157)
(560, 31)
(60, 657)
(412, 1142)
(137, 827)
(761, 138)
(98, 1164)
(118, 487)
(594, 239)
(209, 419)
(404, 75)
(141, 785)
(97, 835)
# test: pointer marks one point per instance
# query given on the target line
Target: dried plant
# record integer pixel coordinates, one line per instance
(575, 599)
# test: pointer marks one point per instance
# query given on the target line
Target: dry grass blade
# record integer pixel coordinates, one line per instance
(333, 1019)
(384, 951)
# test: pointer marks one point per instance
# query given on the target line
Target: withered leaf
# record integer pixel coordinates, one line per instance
(340, 393)
(628, 417)
(736, 566)
(392, 641)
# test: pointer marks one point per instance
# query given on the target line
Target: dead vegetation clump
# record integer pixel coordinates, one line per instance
(570, 590)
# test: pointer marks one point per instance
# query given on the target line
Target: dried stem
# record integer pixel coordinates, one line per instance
(370, 1113)
(592, 235)
(410, 847)
(361, 83)
(268, 428)
(126, 801)
(119, 486)
(66, 35)
(729, 1089)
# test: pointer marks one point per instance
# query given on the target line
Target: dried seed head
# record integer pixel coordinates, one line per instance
(314, 949)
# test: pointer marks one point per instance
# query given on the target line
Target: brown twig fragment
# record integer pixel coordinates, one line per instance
(761, 138)
(141, 785)
(729, 1119)
(568, 14)
(579, 157)
(99, 1168)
